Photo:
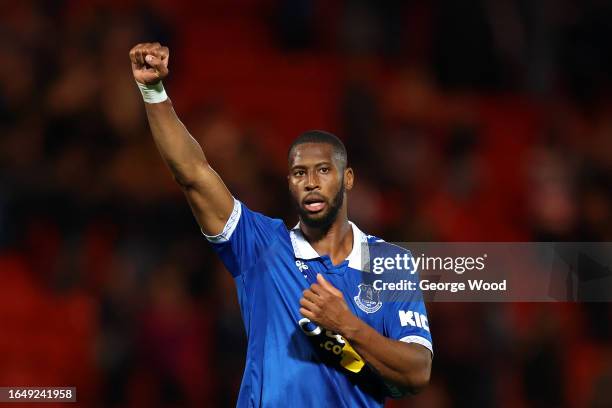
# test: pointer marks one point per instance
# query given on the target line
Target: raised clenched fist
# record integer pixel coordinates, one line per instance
(149, 62)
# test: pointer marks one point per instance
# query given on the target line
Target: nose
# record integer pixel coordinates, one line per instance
(312, 183)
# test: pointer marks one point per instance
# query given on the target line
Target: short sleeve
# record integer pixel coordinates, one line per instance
(245, 237)
(408, 322)
(405, 317)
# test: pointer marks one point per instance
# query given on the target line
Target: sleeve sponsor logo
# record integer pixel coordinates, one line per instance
(414, 319)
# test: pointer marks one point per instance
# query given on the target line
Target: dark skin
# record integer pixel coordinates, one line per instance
(314, 171)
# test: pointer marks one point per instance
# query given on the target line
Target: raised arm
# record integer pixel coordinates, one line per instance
(209, 198)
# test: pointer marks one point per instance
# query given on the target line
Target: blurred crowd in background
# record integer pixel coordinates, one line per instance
(478, 120)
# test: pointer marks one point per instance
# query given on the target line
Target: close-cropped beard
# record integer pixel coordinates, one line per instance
(325, 222)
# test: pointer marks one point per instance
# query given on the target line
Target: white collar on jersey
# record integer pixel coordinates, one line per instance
(303, 250)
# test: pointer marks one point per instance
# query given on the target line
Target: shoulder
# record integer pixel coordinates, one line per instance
(378, 248)
(247, 212)
(255, 225)
(249, 224)
(374, 241)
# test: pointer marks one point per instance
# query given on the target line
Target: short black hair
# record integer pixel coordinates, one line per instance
(320, 136)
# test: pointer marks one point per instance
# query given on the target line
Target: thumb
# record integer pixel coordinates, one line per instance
(157, 64)
(323, 282)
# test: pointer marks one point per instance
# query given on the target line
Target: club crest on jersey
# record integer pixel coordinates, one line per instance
(368, 298)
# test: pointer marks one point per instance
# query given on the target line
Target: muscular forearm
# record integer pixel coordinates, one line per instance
(178, 148)
(210, 200)
(406, 365)
(208, 197)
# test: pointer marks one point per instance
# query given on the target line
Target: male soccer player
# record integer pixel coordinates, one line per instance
(318, 335)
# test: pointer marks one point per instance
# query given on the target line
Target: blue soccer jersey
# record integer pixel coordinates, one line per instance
(291, 361)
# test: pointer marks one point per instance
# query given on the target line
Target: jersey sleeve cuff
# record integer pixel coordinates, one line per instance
(230, 226)
(418, 340)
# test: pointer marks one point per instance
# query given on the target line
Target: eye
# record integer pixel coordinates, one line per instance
(299, 173)
(324, 170)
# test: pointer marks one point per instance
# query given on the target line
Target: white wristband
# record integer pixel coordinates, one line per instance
(153, 93)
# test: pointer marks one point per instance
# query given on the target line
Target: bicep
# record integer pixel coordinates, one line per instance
(419, 351)
(210, 201)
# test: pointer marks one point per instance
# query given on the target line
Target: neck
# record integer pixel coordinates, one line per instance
(336, 241)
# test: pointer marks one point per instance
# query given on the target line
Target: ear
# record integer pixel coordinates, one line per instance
(349, 178)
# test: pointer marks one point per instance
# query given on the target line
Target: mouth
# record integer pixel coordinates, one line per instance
(314, 204)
